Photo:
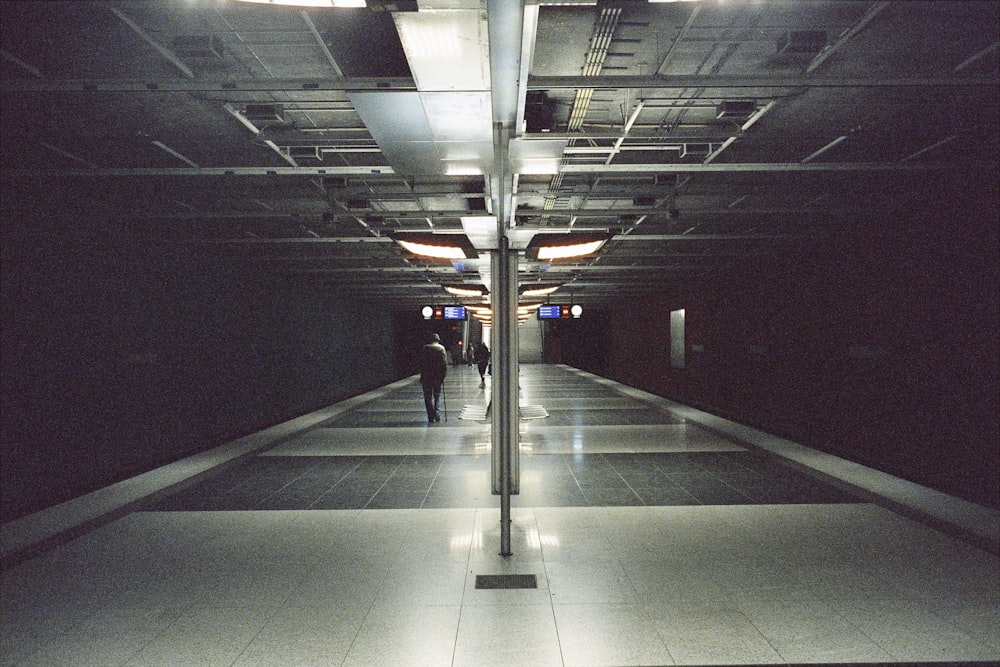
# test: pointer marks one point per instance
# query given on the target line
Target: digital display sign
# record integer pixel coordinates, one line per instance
(560, 312)
(551, 312)
(444, 312)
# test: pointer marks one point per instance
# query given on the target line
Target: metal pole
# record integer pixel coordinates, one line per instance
(504, 384)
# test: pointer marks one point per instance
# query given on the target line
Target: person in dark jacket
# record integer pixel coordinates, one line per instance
(483, 360)
(433, 362)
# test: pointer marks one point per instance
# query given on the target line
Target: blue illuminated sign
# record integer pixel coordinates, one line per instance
(553, 312)
(444, 312)
(560, 312)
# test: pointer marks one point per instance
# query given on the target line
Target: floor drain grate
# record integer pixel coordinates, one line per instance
(506, 581)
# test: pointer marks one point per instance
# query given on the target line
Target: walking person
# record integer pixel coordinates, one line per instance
(483, 360)
(433, 363)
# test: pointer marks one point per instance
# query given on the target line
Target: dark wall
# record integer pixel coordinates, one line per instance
(879, 345)
(121, 353)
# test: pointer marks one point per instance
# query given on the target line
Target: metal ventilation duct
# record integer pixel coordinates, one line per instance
(445, 127)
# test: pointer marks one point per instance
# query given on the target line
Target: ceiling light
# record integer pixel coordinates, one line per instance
(564, 246)
(440, 246)
(426, 250)
(466, 290)
(538, 290)
(564, 252)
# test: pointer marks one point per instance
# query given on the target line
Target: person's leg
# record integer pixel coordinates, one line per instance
(429, 400)
(437, 402)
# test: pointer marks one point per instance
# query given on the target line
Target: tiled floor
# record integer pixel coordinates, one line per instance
(654, 541)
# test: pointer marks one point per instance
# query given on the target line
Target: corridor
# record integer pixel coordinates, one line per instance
(653, 534)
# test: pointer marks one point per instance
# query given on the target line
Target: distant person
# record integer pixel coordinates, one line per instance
(433, 363)
(483, 360)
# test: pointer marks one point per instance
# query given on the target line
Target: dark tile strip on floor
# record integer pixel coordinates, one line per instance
(560, 480)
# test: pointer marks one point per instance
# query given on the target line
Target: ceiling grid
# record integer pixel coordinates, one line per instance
(696, 136)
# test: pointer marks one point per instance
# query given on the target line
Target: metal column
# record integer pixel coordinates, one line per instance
(510, 49)
(504, 385)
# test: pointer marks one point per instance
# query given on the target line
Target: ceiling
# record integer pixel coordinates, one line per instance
(696, 135)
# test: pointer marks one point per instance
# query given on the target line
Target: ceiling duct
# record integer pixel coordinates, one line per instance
(445, 127)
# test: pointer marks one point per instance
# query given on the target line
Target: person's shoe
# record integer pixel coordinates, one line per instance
(482, 384)
(437, 418)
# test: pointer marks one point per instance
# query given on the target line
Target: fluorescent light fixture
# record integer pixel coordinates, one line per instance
(440, 246)
(311, 3)
(567, 251)
(538, 290)
(427, 250)
(430, 40)
(462, 170)
(564, 246)
(466, 290)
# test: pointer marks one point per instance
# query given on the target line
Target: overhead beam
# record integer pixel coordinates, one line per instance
(752, 167)
(322, 45)
(31, 69)
(208, 171)
(166, 85)
(616, 82)
(569, 168)
(522, 214)
(305, 239)
(149, 39)
(602, 81)
(847, 35)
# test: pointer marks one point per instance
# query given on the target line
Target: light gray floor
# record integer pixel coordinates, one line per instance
(695, 585)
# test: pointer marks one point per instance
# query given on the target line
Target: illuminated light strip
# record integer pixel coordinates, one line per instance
(458, 291)
(442, 252)
(540, 292)
(565, 251)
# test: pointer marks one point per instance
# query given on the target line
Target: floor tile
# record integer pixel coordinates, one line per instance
(412, 634)
(304, 636)
(710, 633)
(608, 634)
(810, 631)
(504, 635)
